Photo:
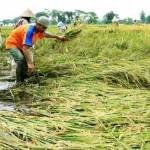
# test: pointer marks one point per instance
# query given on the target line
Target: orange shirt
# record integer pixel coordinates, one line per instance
(23, 35)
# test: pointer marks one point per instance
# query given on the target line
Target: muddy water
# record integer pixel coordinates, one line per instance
(6, 82)
(5, 85)
(7, 106)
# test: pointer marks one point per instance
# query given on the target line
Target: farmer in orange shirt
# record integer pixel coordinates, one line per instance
(21, 40)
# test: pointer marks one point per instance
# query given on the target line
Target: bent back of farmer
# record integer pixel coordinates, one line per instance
(21, 40)
(21, 37)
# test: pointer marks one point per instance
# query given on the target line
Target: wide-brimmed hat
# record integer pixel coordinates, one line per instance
(27, 13)
(43, 20)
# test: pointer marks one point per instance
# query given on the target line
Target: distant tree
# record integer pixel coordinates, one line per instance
(55, 16)
(64, 16)
(7, 21)
(87, 17)
(142, 17)
(69, 15)
(127, 21)
(92, 17)
(107, 18)
(79, 12)
(15, 20)
(147, 20)
(42, 13)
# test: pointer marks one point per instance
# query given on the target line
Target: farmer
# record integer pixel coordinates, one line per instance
(61, 26)
(25, 18)
(77, 21)
(115, 21)
(21, 40)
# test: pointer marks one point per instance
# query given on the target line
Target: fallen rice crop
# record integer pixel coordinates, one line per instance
(90, 92)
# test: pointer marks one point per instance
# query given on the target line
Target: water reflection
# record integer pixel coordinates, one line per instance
(7, 106)
(4, 85)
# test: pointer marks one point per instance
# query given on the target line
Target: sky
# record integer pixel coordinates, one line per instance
(10, 9)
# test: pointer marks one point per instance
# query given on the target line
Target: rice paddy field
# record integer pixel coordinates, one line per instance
(91, 92)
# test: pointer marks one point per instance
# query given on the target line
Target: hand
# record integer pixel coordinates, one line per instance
(30, 68)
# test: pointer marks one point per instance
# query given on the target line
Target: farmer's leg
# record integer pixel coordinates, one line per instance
(21, 69)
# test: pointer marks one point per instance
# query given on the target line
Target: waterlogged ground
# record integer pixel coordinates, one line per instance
(84, 99)
(6, 83)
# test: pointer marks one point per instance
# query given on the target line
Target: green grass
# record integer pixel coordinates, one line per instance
(91, 92)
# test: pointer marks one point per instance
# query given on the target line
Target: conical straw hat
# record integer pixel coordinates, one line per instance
(27, 13)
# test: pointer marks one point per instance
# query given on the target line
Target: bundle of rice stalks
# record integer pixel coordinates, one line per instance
(72, 33)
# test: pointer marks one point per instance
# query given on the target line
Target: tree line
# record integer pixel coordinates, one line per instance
(86, 17)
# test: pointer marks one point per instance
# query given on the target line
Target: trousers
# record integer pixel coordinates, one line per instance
(21, 64)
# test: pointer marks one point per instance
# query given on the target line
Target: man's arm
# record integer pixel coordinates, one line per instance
(28, 56)
(49, 35)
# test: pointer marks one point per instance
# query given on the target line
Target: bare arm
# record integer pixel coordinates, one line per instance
(49, 35)
(28, 56)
